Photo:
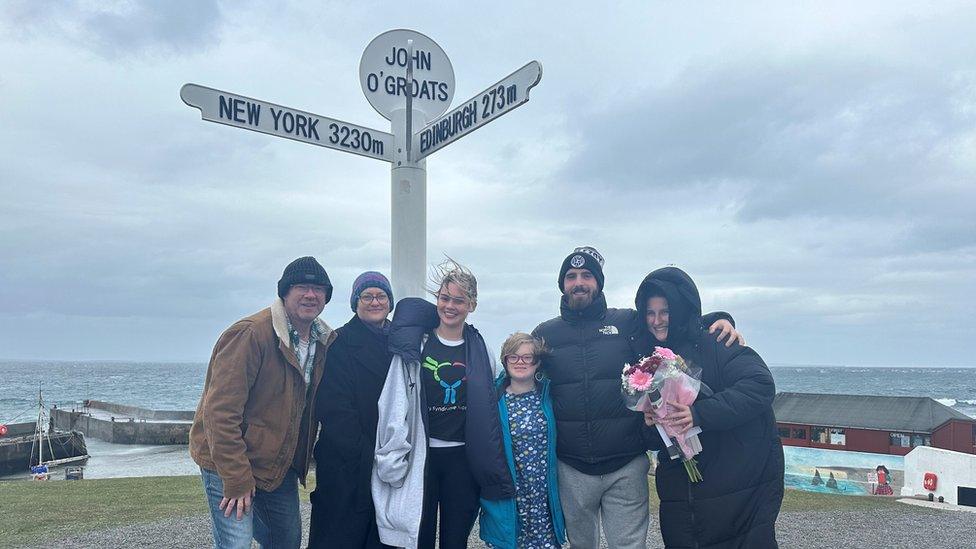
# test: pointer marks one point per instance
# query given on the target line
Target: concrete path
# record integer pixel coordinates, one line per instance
(901, 526)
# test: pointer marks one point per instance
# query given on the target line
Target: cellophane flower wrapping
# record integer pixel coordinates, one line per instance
(651, 384)
(680, 387)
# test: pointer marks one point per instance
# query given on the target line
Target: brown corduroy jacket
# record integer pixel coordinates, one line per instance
(252, 422)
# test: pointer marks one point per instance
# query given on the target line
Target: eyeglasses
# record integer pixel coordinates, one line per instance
(515, 359)
(305, 288)
(382, 298)
(445, 299)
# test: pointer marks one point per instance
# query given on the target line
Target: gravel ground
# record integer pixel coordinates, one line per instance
(900, 526)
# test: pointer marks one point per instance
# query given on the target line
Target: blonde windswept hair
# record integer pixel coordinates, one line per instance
(450, 271)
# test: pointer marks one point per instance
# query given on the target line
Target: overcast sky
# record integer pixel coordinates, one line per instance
(813, 168)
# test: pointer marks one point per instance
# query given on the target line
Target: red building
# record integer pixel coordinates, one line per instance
(878, 424)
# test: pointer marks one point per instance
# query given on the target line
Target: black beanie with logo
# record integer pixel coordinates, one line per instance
(304, 270)
(584, 257)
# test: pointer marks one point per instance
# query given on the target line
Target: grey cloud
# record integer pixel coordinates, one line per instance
(814, 136)
(123, 29)
(177, 25)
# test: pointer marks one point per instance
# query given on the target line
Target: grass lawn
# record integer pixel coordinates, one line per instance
(797, 500)
(35, 511)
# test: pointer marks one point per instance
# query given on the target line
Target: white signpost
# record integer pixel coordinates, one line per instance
(409, 80)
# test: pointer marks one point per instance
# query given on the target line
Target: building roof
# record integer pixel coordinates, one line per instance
(883, 413)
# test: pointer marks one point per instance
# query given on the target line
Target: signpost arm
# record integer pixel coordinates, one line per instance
(503, 96)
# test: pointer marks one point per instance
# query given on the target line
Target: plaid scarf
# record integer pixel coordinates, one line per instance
(314, 334)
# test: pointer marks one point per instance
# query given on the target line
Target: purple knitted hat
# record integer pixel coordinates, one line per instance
(370, 279)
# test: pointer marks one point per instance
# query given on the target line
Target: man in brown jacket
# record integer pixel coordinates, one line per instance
(252, 434)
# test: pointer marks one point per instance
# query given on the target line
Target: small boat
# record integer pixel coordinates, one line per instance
(37, 447)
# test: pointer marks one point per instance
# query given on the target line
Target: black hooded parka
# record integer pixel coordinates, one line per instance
(737, 503)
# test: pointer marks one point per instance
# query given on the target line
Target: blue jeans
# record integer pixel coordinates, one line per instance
(274, 520)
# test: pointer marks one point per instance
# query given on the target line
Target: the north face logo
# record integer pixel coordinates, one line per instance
(609, 330)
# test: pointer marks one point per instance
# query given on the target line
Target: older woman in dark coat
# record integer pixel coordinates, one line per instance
(355, 370)
(737, 503)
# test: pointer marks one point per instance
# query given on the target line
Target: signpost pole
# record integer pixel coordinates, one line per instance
(408, 201)
(409, 128)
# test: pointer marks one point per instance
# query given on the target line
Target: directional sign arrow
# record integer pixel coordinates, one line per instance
(260, 116)
(507, 94)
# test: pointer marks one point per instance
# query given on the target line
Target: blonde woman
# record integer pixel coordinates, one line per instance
(439, 441)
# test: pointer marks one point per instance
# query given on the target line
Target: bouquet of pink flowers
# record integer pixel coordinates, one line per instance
(653, 382)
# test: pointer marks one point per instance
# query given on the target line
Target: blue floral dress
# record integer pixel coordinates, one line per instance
(530, 446)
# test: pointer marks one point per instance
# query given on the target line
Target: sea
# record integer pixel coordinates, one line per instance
(177, 386)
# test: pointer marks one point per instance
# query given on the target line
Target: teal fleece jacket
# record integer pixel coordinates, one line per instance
(498, 520)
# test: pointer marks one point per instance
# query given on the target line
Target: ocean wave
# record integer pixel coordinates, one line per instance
(957, 402)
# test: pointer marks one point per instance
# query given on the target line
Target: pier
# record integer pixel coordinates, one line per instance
(123, 424)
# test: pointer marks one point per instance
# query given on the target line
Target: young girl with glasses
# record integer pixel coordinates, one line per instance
(533, 518)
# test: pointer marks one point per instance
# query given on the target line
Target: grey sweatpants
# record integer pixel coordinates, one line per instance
(619, 497)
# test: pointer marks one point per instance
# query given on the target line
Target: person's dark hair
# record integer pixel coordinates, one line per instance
(653, 291)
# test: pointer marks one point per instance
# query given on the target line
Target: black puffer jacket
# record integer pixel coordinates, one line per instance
(597, 434)
(737, 503)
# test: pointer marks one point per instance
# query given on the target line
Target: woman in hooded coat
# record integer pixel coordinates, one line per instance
(741, 461)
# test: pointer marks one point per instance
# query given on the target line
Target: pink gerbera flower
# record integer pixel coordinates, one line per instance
(640, 380)
(665, 353)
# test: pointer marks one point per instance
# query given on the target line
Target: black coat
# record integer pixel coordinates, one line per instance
(342, 506)
(737, 503)
(597, 434)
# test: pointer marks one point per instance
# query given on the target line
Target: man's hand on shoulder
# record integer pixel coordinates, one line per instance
(725, 329)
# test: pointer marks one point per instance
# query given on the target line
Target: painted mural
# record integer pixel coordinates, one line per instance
(840, 472)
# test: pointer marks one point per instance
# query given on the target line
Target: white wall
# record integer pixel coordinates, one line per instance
(954, 469)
